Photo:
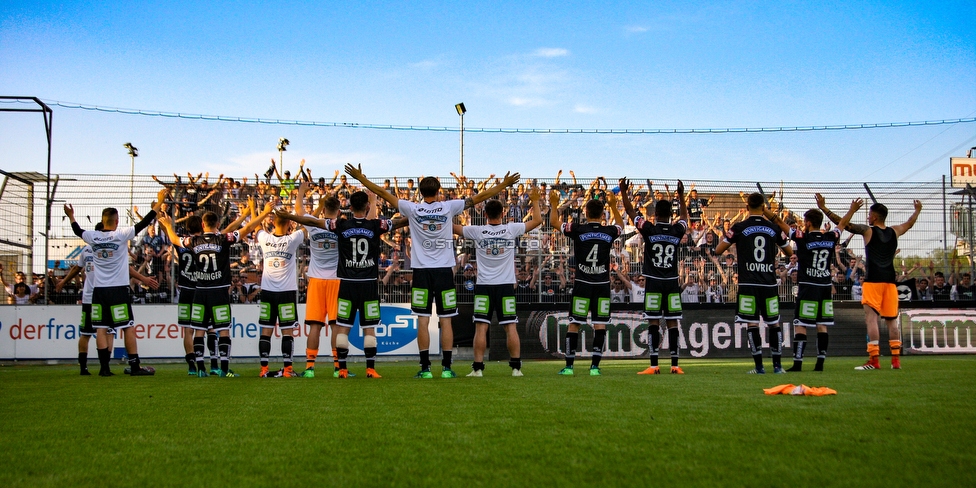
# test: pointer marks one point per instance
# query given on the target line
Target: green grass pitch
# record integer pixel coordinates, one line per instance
(712, 426)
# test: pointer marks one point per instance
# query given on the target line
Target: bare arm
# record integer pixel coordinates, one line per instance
(508, 180)
(231, 227)
(303, 219)
(612, 202)
(624, 186)
(167, 224)
(903, 228)
(74, 271)
(536, 210)
(682, 204)
(256, 221)
(357, 173)
(554, 219)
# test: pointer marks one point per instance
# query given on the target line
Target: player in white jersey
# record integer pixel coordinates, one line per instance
(279, 290)
(111, 306)
(323, 284)
(494, 294)
(432, 258)
(86, 263)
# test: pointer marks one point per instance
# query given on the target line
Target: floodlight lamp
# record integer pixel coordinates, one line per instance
(282, 143)
(133, 151)
(460, 108)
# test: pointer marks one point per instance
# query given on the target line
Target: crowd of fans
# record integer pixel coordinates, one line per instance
(544, 260)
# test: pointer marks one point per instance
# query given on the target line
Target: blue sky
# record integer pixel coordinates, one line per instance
(513, 64)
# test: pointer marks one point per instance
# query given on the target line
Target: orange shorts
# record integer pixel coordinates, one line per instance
(882, 297)
(322, 302)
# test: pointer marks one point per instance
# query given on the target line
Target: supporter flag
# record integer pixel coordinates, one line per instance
(907, 290)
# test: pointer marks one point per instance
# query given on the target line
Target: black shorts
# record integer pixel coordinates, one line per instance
(279, 308)
(362, 297)
(495, 300)
(662, 299)
(758, 301)
(111, 308)
(184, 307)
(590, 300)
(432, 285)
(85, 327)
(211, 308)
(814, 306)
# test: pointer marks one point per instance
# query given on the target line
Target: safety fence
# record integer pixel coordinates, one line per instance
(938, 244)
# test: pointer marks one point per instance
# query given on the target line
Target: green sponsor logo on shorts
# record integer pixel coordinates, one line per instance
(96, 313)
(508, 305)
(196, 313)
(81, 323)
(418, 297)
(265, 311)
(344, 308)
(449, 298)
(581, 306)
(372, 310)
(183, 312)
(652, 302)
(808, 309)
(747, 305)
(603, 307)
(120, 313)
(481, 304)
(286, 311)
(674, 302)
(772, 306)
(221, 314)
(828, 308)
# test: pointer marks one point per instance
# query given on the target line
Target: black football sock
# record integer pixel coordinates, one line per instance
(134, 362)
(599, 340)
(655, 331)
(343, 354)
(370, 353)
(515, 363)
(446, 359)
(287, 349)
(264, 350)
(198, 351)
(799, 346)
(822, 340)
(673, 344)
(191, 361)
(572, 342)
(425, 359)
(478, 366)
(223, 347)
(83, 360)
(104, 356)
(776, 345)
(755, 345)
(212, 347)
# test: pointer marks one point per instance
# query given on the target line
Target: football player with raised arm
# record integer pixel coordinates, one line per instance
(590, 301)
(432, 258)
(494, 293)
(879, 293)
(662, 293)
(757, 240)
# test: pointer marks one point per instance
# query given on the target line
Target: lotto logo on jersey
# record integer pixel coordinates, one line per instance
(397, 328)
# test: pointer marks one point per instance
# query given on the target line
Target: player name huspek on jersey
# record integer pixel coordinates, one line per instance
(359, 246)
(212, 254)
(815, 254)
(661, 242)
(591, 246)
(323, 253)
(756, 242)
(280, 270)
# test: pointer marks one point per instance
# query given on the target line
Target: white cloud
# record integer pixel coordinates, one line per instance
(550, 52)
(584, 109)
(636, 29)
